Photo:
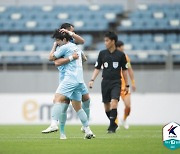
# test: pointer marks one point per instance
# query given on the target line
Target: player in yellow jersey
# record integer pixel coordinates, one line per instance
(126, 96)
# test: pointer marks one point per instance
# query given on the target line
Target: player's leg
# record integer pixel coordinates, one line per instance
(65, 92)
(107, 108)
(76, 103)
(110, 105)
(80, 112)
(83, 117)
(115, 94)
(66, 101)
(86, 104)
(106, 97)
(63, 115)
(85, 99)
(127, 110)
(55, 112)
(85, 107)
(113, 115)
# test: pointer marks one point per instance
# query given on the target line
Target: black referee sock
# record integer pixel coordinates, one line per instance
(113, 115)
(108, 114)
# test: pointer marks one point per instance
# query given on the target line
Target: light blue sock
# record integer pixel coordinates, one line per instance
(83, 117)
(63, 117)
(85, 106)
(55, 112)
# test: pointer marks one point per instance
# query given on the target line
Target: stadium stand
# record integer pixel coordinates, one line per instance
(150, 17)
(150, 32)
(48, 18)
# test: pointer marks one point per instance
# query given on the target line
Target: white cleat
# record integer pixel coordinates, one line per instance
(88, 133)
(63, 137)
(125, 124)
(50, 129)
(94, 136)
(83, 130)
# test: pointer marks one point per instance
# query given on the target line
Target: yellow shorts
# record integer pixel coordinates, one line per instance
(123, 93)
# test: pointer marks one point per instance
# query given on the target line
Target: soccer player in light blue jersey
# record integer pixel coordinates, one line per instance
(72, 84)
(69, 28)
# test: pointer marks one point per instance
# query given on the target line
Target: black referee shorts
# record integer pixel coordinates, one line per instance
(110, 90)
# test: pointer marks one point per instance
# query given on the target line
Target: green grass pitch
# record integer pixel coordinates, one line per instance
(29, 140)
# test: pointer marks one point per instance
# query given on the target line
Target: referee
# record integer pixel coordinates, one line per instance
(112, 62)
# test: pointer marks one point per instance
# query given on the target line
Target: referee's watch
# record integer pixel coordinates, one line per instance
(127, 86)
(92, 80)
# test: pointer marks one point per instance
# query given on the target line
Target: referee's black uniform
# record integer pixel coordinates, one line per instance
(112, 64)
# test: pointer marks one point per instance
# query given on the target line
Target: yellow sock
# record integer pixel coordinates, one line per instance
(116, 121)
(125, 116)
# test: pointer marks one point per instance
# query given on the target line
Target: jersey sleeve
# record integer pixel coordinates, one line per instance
(60, 52)
(98, 63)
(124, 63)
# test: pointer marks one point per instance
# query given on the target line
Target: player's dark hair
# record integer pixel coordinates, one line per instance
(61, 36)
(66, 26)
(119, 43)
(112, 36)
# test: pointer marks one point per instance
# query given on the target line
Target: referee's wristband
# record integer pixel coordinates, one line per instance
(70, 58)
(127, 86)
(92, 80)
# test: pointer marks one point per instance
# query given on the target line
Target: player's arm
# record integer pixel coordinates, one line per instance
(77, 39)
(131, 75)
(96, 70)
(58, 53)
(124, 71)
(84, 58)
(95, 74)
(51, 54)
(62, 61)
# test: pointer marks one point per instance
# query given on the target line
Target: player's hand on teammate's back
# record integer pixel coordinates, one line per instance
(75, 55)
(91, 84)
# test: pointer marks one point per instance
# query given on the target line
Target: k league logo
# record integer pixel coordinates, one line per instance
(171, 130)
(171, 135)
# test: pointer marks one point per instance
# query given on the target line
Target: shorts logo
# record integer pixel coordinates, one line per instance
(115, 64)
(171, 135)
(105, 64)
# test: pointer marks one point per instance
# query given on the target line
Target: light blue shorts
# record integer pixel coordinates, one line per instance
(73, 91)
(84, 89)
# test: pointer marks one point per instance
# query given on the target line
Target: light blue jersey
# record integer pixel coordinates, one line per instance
(72, 86)
(61, 69)
(73, 71)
